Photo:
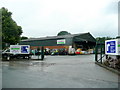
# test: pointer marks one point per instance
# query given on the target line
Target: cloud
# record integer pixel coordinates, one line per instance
(48, 17)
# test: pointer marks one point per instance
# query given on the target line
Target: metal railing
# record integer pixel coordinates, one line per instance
(99, 50)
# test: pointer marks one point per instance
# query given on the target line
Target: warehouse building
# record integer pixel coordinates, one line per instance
(84, 41)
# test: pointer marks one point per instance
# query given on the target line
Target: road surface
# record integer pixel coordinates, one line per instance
(57, 72)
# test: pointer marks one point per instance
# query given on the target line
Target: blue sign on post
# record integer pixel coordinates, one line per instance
(25, 49)
(111, 47)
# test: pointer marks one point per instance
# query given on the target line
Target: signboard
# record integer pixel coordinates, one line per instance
(112, 47)
(118, 46)
(15, 49)
(20, 49)
(61, 41)
(25, 49)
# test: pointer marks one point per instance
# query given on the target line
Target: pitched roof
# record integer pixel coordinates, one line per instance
(81, 36)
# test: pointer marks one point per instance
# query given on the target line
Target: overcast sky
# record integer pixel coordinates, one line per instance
(40, 18)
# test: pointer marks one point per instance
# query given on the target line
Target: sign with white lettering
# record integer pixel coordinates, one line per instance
(62, 41)
(16, 49)
(20, 49)
(112, 47)
(25, 49)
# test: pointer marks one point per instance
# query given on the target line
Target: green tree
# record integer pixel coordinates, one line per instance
(63, 33)
(23, 38)
(102, 39)
(10, 30)
(118, 37)
(0, 29)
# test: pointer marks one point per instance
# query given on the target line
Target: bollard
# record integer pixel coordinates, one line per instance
(101, 52)
(42, 53)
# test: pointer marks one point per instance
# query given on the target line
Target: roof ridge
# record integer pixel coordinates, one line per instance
(52, 37)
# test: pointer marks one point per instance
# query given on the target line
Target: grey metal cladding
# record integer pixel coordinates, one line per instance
(69, 41)
(50, 42)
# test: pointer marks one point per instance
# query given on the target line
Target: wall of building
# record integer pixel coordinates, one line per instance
(51, 47)
(52, 42)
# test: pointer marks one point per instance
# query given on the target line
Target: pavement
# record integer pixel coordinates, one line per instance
(78, 71)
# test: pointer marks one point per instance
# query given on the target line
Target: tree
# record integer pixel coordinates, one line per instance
(10, 30)
(63, 33)
(102, 39)
(23, 38)
(0, 29)
(118, 37)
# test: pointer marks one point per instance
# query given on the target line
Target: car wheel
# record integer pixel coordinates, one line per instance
(8, 58)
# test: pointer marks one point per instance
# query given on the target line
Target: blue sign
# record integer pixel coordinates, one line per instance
(111, 47)
(25, 49)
